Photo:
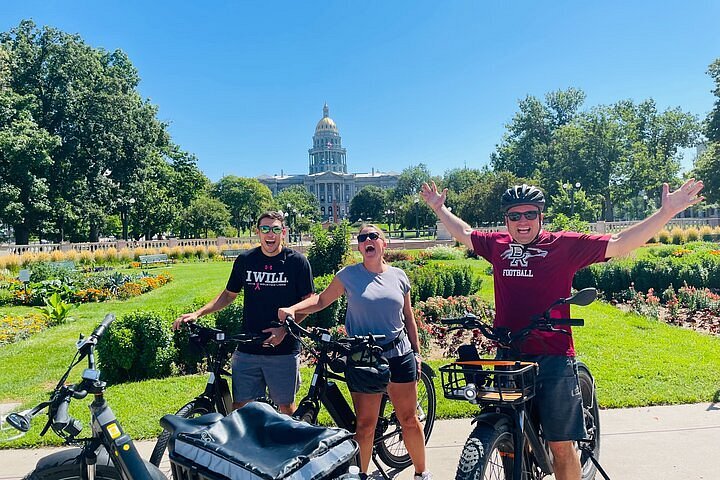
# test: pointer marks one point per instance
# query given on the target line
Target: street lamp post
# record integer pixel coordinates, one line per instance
(390, 216)
(571, 190)
(417, 217)
(125, 205)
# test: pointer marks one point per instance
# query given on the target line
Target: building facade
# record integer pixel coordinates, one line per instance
(327, 178)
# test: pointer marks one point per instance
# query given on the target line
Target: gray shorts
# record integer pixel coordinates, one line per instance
(255, 376)
(558, 398)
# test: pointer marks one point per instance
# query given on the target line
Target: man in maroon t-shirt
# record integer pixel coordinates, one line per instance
(533, 268)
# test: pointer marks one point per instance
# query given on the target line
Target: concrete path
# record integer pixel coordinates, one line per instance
(660, 443)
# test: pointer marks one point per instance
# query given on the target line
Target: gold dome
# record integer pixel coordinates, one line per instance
(325, 124)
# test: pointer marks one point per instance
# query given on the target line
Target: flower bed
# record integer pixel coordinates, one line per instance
(14, 328)
(78, 287)
(689, 307)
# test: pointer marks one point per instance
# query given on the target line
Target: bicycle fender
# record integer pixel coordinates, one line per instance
(72, 456)
(493, 418)
(428, 370)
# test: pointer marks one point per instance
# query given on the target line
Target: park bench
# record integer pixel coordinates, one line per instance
(231, 254)
(146, 260)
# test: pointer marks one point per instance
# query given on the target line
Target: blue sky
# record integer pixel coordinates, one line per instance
(242, 84)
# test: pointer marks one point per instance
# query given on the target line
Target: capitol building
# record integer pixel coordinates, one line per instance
(327, 177)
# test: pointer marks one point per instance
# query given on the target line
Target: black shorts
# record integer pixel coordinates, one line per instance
(558, 398)
(403, 369)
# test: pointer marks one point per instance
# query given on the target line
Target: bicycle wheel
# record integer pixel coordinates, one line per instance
(67, 465)
(192, 409)
(388, 436)
(306, 412)
(487, 454)
(591, 445)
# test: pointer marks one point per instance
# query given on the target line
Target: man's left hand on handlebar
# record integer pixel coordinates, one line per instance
(277, 335)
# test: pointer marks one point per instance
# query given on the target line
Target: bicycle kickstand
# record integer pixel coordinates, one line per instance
(597, 464)
(379, 467)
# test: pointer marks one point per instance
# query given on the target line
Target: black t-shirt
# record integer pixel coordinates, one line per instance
(269, 283)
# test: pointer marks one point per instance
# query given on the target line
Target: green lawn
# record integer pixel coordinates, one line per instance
(635, 361)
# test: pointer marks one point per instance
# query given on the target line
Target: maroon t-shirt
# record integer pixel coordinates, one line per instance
(530, 278)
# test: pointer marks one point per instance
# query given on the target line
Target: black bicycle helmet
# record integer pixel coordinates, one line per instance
(522, 195)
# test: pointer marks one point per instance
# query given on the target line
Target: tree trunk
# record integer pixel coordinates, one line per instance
(608, 209)
(94, 232)
(22, 234)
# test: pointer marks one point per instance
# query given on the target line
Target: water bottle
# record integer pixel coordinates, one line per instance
(353, 473)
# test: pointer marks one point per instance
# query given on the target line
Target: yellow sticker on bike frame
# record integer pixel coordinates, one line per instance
(113, 430)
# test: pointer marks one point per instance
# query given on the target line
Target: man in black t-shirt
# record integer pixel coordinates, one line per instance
(271, 276)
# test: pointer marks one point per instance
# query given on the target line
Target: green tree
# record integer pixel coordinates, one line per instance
(25, 165)
(205, 214)
(707, 164)
(88, 99)
(480, 204)
(298, 198)
(246, 199)
(368, 203)
(411, 179)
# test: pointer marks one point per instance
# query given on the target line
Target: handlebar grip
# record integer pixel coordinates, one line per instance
(100, 330)
(573, 322)
(452, 321)
(63, 423)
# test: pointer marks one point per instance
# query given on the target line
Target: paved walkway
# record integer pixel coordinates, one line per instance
(660, 443)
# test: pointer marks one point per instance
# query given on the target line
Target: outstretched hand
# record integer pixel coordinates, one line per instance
(682, 198)
(432, 197)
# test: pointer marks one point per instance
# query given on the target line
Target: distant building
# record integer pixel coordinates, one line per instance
(327, 176)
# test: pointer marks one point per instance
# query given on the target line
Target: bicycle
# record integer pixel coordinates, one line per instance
(329, 355)
(217, 347)
(507, 442)
(109, 453)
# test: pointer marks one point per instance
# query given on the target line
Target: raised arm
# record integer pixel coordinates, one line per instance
(672, 204)
(314, 303)
(455, 225)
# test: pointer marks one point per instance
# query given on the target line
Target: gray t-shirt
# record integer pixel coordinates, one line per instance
(375, 304)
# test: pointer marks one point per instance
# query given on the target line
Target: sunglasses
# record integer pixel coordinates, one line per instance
(267, 229)
(515, 216)
(364, 236)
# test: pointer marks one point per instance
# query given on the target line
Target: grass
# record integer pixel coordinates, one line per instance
(635, 361)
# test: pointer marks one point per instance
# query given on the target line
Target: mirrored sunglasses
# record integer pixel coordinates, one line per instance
(267, 228)
(515, 216)
(364, 236)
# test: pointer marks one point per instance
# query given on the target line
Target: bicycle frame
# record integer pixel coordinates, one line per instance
(105, 427)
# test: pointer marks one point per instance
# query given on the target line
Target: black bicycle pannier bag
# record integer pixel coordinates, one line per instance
(256, 442)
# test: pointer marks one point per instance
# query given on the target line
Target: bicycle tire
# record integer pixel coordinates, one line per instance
(192, 409)
(487, 454)
(67, 465)
(306, 412)
(592, 423)
(391, 449)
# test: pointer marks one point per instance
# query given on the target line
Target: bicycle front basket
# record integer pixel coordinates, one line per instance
(495, 381)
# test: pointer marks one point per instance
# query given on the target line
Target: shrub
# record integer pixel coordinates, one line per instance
(692, 234)
(329, 252)
(706, 233)
(663, 236)
(137, 346)
(111, 254)
(442, 252)
(86, 257)
(443, 281)
(125, 255)
(391, 256)
(677, 236)
(332, 315)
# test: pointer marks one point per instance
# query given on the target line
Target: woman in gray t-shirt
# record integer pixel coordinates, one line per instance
(378, 298)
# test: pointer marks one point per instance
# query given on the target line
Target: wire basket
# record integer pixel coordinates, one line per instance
(489, 381)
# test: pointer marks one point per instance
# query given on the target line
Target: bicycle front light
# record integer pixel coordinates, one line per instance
(470, 392)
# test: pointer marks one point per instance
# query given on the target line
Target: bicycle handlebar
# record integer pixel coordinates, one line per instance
(207, 335)
(543, 322)
(342, 345)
